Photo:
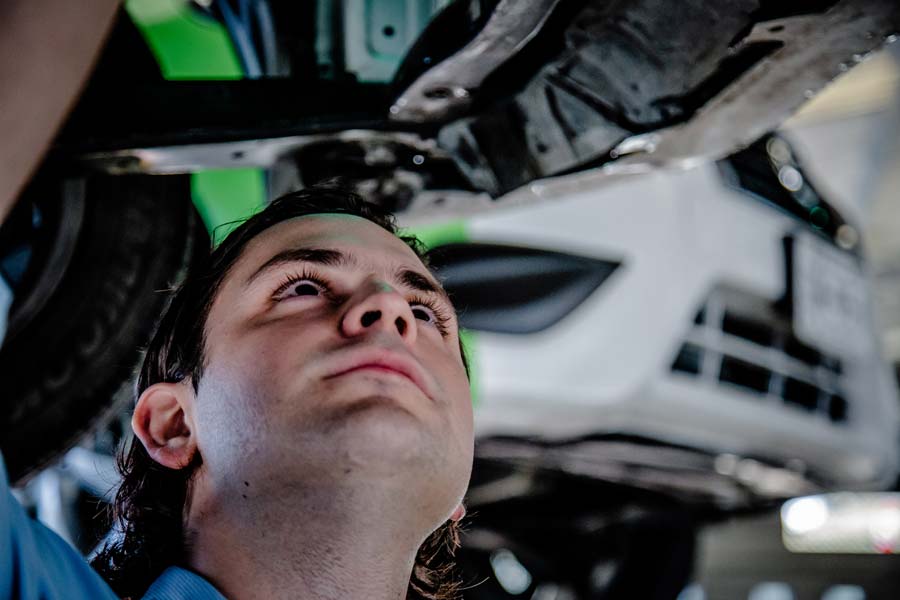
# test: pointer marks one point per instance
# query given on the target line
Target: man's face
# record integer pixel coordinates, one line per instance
(331, 354)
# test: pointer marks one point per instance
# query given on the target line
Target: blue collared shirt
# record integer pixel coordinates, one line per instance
(36, 564)
(176, 583)
(6, 298)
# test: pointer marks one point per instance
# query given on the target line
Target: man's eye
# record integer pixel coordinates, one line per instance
(295, 286)
(306, 288)
(423, 313)
(431, 313)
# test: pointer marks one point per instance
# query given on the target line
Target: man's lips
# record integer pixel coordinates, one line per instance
(379, 359)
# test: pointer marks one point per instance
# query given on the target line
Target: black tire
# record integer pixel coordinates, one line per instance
(77, 328)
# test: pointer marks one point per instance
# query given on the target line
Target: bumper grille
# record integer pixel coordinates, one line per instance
(743, 342)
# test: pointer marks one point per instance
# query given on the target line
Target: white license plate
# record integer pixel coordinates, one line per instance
(830, 298)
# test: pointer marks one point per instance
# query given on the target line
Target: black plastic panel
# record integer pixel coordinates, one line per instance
(744, 374)
(689, 359)
(509, 289)
(800, 393)
(750, 329)
(837, 409)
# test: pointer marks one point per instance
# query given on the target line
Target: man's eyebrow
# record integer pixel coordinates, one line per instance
(335, 258)
(320, 256)
(416, 281)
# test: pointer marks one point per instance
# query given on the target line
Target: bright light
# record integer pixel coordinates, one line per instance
(778, 149)
(844, 592)
(693, 591)
(884, 527)
(843, 523)
(771, 590)
(790, 178)
(847, 236)
(510, 573)
(803, 515)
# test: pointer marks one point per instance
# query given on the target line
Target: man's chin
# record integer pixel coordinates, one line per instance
(380, 405)
(378, 430)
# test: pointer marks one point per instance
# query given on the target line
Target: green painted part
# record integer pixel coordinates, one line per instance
(469, 341)
(189, 46)
(186, 44)
(451, 232)
(226, 198)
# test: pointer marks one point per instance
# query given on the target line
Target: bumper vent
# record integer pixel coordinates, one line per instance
(517, 290)
(744, 343)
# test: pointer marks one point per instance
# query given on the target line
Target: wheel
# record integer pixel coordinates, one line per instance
(103, 251)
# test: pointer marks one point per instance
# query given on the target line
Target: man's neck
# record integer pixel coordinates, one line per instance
(312, 544)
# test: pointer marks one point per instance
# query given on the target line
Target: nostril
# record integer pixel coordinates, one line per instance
(401, 325)
(370, 317)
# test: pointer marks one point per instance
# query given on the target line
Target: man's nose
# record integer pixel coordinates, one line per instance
(377, 306)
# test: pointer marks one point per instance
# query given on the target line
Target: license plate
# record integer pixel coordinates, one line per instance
(830, 298)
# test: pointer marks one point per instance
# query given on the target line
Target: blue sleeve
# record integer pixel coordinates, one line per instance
(6, 298)
(35, 563)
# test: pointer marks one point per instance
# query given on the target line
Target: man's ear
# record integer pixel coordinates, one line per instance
(458, 513)
(162, 422)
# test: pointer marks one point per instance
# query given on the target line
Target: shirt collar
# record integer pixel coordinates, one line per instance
(176, 583)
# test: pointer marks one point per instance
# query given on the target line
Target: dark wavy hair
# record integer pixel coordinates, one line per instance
(150, 504)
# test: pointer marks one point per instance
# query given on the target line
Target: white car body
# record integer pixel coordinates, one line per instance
(685, 240)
